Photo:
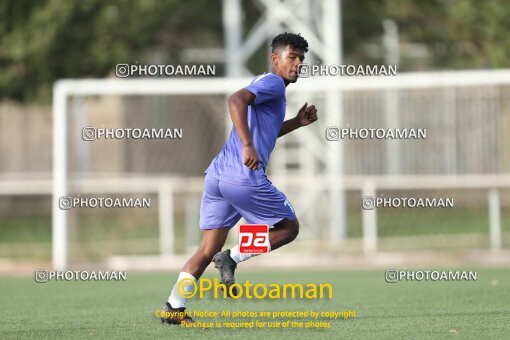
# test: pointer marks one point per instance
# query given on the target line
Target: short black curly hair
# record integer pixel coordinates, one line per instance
(296, 41)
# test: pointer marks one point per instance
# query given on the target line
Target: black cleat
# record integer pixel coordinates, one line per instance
(227, 266)
(174, 316)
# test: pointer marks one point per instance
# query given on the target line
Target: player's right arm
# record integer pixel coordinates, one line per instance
(238, 106)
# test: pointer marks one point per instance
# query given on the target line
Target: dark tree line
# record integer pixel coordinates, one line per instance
(45, 40)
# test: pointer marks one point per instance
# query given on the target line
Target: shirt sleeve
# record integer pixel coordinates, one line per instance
(266, 88)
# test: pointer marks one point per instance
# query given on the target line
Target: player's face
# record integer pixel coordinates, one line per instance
(286, 63)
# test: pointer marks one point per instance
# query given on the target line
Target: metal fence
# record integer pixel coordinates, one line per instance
(466, 115)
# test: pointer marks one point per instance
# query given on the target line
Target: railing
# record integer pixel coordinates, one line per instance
(166, 187)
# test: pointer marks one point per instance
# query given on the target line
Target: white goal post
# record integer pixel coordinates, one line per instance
(329, 86)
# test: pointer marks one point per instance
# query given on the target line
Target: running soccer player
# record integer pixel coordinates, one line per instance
(236, 184)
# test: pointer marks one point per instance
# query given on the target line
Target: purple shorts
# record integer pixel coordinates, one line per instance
(223, 204)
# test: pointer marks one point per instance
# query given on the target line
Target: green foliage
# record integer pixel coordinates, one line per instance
(51, 39)
(42, 41)
(484, 27)
(462, 34)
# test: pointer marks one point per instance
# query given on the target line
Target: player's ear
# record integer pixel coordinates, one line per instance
(275, 59)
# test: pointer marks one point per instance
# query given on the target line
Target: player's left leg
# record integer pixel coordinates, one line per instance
(264, 204)
(283, 233)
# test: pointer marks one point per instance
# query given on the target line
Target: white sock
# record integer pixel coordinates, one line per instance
(175, 299)
(240, 257)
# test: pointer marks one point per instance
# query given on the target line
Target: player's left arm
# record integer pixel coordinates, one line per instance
(305, 116)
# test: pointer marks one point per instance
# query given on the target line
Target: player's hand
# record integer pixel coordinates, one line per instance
(307, 115)
(250, 157)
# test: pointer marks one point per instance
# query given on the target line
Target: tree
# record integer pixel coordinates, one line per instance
(50, 39)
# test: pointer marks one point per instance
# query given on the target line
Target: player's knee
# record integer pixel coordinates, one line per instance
(293, 230)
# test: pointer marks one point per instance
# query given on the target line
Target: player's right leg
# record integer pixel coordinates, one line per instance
(173, 311)
(217, 216)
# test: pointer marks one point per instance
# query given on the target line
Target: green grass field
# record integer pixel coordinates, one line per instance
(404, 310)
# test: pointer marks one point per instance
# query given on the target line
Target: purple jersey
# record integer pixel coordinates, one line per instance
(265, 119)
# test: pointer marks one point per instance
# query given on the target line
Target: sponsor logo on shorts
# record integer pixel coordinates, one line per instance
(254, 238)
